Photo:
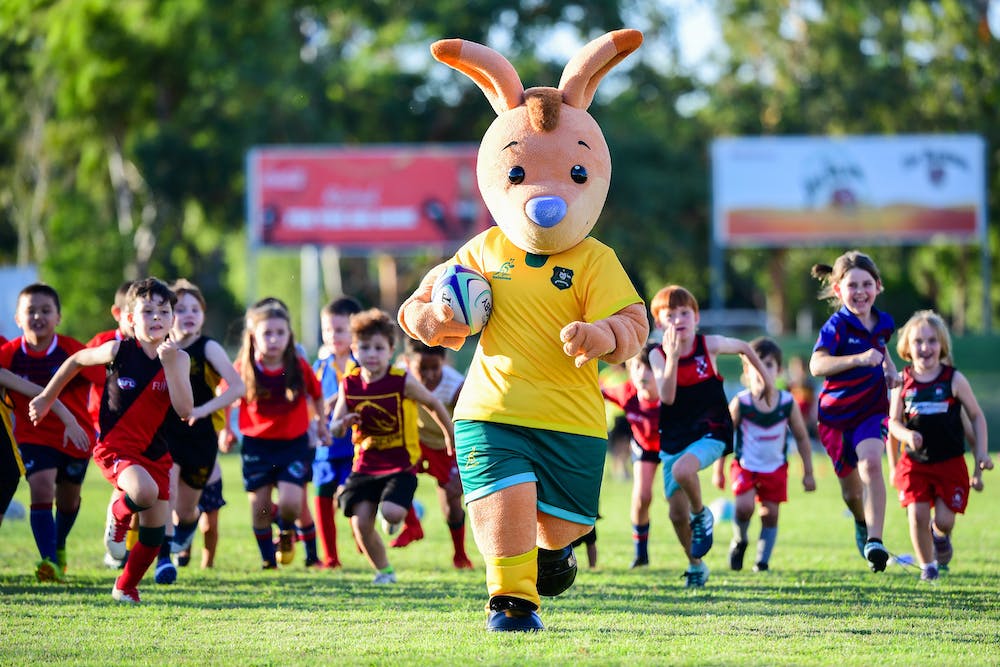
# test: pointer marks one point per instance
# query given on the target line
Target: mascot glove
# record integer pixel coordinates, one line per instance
(613, 339)
(431, 323)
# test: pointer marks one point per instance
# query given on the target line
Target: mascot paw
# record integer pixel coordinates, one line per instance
(433, 324)
(586, 341)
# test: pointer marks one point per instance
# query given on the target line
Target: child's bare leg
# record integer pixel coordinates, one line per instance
(853, 493)
(870, 470)
(209, 523)
(363, 525)
(685, 473)
(680, 517)
(920, 531)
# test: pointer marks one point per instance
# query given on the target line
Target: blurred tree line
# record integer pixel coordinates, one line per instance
(124, 126)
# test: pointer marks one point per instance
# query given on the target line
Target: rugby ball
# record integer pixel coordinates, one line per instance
(468, 293)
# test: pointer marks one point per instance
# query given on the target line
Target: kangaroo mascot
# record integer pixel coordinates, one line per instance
(529, 425)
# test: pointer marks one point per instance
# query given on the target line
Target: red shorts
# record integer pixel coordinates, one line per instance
(926, 482)
(113, 463)
(771, 486)
(437, 464)
(842, 445)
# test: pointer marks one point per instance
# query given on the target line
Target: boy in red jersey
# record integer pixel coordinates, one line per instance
(147, 375)
(55, 469)
(380, 402)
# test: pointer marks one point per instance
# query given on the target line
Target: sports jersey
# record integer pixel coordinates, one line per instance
(204, 380)
(97, 388)
(643, 416)
(39, 367)
(329, 379)
(272, 415)
(386, 441)
(134, 404)
(431, 434)
(519, 374)
(850, 397)
(761, 436)
(700, 408)
(931, 409)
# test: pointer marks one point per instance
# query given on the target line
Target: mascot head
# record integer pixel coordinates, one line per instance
(544, 168)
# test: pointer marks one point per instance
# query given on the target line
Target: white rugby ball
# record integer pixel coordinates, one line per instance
(468, 293)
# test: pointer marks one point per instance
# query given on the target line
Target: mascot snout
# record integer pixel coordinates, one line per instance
(546, 211)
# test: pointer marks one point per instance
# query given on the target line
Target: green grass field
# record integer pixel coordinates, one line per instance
(819, 605)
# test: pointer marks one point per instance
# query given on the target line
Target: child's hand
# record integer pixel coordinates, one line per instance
(196, 414)
(38, 408)
(808, 482)
(323, 432)
(671, 343)
(871, 357)
(916, 440)
(74, 433)
(892, 379)
(226, 440)
(167, 351)
(976, 482)
(719, 478)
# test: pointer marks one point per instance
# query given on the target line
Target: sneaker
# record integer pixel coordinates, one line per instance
(462, 562)
(639, 561)
(384, 578)
(860, 536)
(391, 529)
(115, 534)
(46, 570)
(61, 559)
(112, 563)
(183, 558)
(409, 534)
(701, 532)
(269, 565)
(696, 576)
(761, 567)
(929, 573)
(165, 573)
(876, 555)
(942, 549)
(737, 550)
(286, 546)
(127, 595)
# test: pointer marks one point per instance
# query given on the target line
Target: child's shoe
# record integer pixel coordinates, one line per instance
(61, 559)
(761, 567)
(462, 562)
(696, 576)
(384, 578)
(639, 561)
(737, 550)
(942, 549)
(929, 572)
(127, 596)
(702, 524)
(115, 534)
(46, 570)
(876, 555)
(286, 546)
(166, 573)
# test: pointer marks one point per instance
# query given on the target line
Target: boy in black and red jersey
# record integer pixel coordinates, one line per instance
(146, 375)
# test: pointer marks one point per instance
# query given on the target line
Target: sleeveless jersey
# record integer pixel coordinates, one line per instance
(643, 417)
(761, 436)
(272, 415)
(204, 380)
(700, 408)
(134, 404)
(329, 379)
(931, 409)
(431, 434)
(386, 441)
(96, 389)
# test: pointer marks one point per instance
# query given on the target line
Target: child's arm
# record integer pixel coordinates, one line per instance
(234, 387)
(823, 364)
(177, 369)
(88, 356)
(74, 432)
(342, 419)
(893, 443)
(797, 424)
(663, 360)
(896, 427)
(717, 345)
(419, 393)
(962, 390)
(892, 378)
(319, 414)
(719, 467)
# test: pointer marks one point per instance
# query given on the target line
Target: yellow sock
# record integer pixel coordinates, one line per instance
(131, 538)
(514, 576)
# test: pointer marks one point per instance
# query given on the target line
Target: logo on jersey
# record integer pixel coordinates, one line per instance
(505, 269)
(701, 366)
(126, 384)
(562, 277)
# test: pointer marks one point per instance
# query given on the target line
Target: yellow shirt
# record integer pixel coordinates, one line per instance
(520, 374)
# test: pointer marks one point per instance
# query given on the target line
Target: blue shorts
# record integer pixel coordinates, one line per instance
(328, 474)
(566, 468)
(706, 450)
(211, 497)
(41, 457)
(842, 446)
(267, 462)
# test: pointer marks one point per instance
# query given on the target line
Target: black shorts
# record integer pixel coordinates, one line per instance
(41, 457)
(267, 462)
(397, 488)
(196, 460)
(211, 497)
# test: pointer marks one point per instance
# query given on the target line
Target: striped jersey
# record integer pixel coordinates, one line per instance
(761, 437)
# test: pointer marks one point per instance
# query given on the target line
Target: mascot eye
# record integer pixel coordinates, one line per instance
(578, 173)
(516, 175)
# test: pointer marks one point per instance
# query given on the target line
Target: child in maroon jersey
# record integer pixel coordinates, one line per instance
(274, 417)
(146, 376)
(55, 469)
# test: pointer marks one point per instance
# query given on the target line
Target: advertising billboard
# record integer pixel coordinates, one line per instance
(802, 191)
(364, 197)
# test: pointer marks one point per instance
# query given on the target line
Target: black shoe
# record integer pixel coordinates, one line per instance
(556, 570)
(639, 562)
(736, 552)
(761, 567)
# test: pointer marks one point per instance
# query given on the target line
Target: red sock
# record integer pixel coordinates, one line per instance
(326, 530)
(139, 559)
(458, 540)
(123, 507)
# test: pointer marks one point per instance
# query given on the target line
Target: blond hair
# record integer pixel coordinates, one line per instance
(935, 322)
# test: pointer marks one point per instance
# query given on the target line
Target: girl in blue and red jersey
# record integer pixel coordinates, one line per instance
(55, 468)
(274, 416)
(926, 418)
(146, 376)
(850, 353)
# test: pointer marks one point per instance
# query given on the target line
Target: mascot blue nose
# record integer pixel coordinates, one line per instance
(546, 211)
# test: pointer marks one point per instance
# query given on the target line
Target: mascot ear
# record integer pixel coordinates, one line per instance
(586, 69)
(493, 73)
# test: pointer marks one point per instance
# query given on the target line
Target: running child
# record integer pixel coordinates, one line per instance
(760, 461)
(851, 355)
(332, 464)
(429, 366)
(695, 425)
(55, 468)
(640, 401)
(194, 442)
(274, 418)
(380, 403)
(146, 376)
(925, 416)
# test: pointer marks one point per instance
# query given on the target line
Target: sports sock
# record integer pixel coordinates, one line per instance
(307, 535)
(265, 543)
(326, 530)
(142, 556)
(284, 524)
(43, 527)
(514, 576)
(124, 507)
(457, 531)
(184, 531)
(742, 530)
(768, 536)
(164, 553)
(640, 538)
(64, 524)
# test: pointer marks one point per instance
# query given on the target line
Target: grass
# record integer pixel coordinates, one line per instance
(818, 605)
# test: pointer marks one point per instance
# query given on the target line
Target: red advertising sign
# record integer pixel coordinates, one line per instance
(364, 197)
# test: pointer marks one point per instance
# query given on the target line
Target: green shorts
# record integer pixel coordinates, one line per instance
(566, 468)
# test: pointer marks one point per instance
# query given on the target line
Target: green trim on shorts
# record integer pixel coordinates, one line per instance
(566, 468)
